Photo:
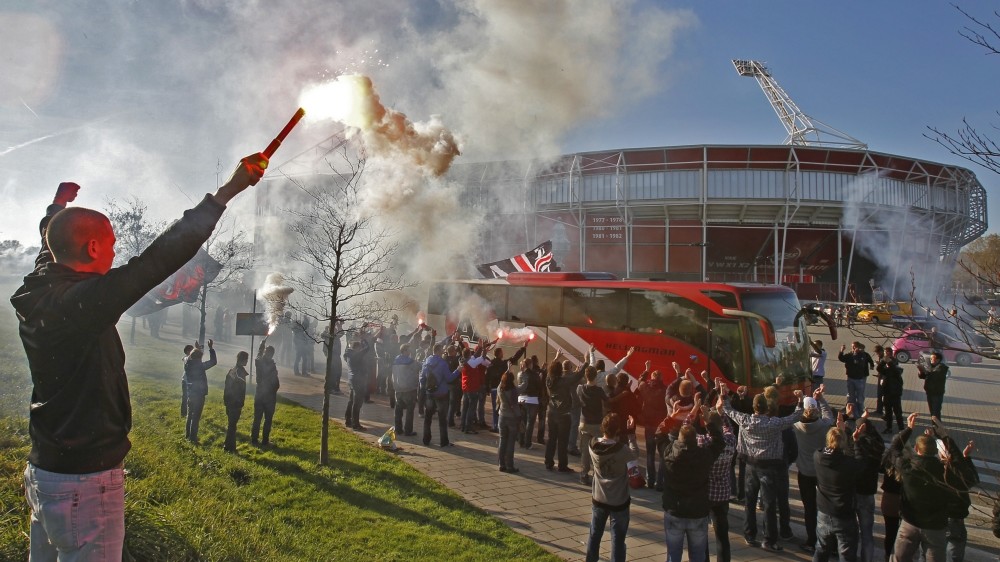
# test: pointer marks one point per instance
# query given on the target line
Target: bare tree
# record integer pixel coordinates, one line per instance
(970, 142)
(134, 231)
(228, 245)
(349, 255)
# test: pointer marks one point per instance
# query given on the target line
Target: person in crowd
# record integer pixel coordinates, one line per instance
(234, 396)
(560, 381)
(454, 360)
(386, 351)
(474, 368)
(760, 440)
(624, 402)
(653, 396)
(719, 484)
(184, 381)
(686, 504)
(529, 386)
(498, 366)
(858, 364)
(67, 309)
(405, 383)
(303, 342)
(810, 434)
(934, 374)
(882, 364)
(355, 357)
(892, 489)
(543, 399)
(925, 497)
(611, 497)
(741, 402)
(593, 400)
(509, 420)
(961, 475)
(869, 450)
(817, 361)
(577, 408)
(891, 385)
(195, 370)
(790, 451)
(837, 472)
(331, 348)
(265, 398)
(435, 383)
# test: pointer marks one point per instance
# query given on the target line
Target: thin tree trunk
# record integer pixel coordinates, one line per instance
(201, 325)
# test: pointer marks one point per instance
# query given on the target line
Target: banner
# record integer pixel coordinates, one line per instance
(182, 286)
(538, 259)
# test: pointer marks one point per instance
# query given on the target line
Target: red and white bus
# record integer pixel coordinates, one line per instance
(746, 333)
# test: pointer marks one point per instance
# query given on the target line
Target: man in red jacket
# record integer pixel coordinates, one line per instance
(80, 413)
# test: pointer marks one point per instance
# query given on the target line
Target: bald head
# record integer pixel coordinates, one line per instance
(81, 239)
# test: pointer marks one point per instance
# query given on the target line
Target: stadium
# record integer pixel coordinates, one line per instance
(821, 213)
(825, 221)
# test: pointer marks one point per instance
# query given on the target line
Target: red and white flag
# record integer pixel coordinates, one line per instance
(538, 259)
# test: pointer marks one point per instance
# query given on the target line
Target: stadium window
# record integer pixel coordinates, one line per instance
(535, 305)
(597, 308)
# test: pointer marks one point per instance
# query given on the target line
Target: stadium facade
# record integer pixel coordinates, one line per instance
(833, 223)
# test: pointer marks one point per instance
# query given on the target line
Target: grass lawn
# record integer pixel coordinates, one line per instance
(186, 502)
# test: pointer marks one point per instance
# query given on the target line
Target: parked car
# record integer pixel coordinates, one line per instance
(914, 342)
(883, 313)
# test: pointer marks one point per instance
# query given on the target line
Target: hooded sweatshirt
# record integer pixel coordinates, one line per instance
(405, 373)
(80, 413)
(611, 459)
(810, 435)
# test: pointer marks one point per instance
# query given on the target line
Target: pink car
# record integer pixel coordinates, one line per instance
(914, 342)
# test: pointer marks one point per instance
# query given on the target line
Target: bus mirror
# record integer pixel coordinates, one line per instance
(770, 340)
(817, 312)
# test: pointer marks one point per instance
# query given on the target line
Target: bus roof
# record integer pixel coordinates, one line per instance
(601, 279)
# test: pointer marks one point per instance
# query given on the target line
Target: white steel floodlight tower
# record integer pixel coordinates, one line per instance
(802, 129)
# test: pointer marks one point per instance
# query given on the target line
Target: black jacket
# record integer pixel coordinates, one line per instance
(687, 468)
(80, 414)
(561, 391)
(857, 364)
(592, 399)
(934, 377)
(926, 497)
(235, 393)
(836, 479)
(497, 368)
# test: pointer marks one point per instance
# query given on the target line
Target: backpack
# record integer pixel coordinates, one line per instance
(431, 384)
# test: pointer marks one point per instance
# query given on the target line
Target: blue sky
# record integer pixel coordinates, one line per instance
(155, 100)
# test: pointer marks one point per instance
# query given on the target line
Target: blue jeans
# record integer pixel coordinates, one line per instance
(508, 436)
(864, 509)
(470, 402)
(436, 405)
(406, 401)
(762, 483)
(932, 542)
(76, 517)
(619, 528)
(856, 394)
(196, 405)
(652, 478)
(496, 412)
(677, 529)
(530, 412)
(836, 533)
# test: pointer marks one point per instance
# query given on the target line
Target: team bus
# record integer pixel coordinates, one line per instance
(748, 334)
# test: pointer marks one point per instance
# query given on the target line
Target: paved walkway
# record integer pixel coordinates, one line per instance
(553, 508)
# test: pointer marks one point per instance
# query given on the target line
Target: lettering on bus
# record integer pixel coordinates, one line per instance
(623, 348)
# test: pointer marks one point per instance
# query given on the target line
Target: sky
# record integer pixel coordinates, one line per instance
(158, 100)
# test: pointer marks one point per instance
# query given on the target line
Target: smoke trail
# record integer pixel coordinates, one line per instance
(275, 294)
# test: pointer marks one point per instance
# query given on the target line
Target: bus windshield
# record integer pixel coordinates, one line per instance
(790, 357)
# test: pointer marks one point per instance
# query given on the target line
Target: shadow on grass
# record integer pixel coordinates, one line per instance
(375, 504)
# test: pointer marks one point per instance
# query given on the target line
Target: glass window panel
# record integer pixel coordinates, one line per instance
(599, 308)
(534, 305)
(496, 296)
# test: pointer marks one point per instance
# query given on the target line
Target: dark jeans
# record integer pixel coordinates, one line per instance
(836, 534)
(784, 511)
(543, 408)
(233, 413)
(558, 442)
(530, 411)
(762, 482)
(359, 391)
(893, 409)
(263, 408)
(196, 404)
(720, 522)
(496, 413)
(934, 404)
(879, 397)
(437, 406)
(957, 537)
(301, 366)
(619, 528)
(652, 478)
(891, 528)
(910, 538)
(470, 402)
(184, 398)
(738, 480)
(406, 401)
(807, 491)
(454, 404)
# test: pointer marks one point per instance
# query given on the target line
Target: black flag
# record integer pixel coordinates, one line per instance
(538, 259)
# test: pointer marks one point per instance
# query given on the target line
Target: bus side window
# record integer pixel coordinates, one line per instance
(596, 308)
(535, 305)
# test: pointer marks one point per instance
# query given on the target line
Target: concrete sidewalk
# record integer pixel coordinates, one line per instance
(551, 508)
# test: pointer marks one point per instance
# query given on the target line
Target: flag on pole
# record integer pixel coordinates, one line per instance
(182, 286)
(538, 259)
